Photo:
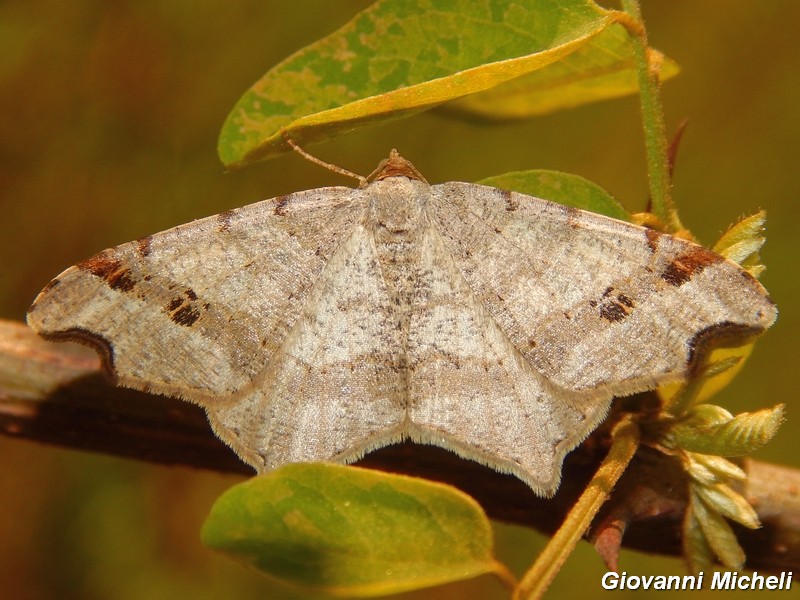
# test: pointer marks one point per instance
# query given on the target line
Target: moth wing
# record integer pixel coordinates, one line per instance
(595, 304)
(198, 311)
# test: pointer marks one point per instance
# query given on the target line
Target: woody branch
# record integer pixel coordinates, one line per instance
(56, 394)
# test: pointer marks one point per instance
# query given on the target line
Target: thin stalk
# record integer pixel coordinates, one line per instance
(624, 442)
(505, 576)
(655, 136)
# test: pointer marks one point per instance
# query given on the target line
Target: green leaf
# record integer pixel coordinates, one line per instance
(722, 499)
(738, 436)
(704, 416)
(600, 70)
(351, 531)
(698, 554)
(743, 241)
(564, 188)
(699, 471)
(718, 533)
(722, 468)
(399, 57)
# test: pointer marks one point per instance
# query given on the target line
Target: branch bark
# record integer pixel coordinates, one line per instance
(57, 394)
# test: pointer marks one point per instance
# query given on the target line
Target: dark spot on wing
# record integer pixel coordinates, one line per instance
(613, 311)
(511, 203)
(110, 270)
(143, 245)
(682, 268)
(224, 219)
(573, 217)
(121, 281)
(186, 316)
(174, 304)
(623, 299)
(185, 311)
(280, 205)
(652, 239)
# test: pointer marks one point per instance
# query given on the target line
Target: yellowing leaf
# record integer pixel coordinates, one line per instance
(351, 531)
(723, 364)
(564, 188)
(399, 57)
(743, 241)
(600, 70)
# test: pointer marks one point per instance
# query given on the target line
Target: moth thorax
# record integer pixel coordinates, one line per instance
(397, 211)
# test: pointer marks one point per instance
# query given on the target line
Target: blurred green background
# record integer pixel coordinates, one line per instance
(109, 114)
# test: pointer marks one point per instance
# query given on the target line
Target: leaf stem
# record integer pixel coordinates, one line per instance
(504, 574)
(657, 147)
(624, 442)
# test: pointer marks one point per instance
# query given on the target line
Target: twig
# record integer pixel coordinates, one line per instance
(624, 443)
(56, 394)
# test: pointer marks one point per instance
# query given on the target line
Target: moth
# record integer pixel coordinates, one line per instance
(326, 323)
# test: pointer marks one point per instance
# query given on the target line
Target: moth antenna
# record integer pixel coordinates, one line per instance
(362, 181)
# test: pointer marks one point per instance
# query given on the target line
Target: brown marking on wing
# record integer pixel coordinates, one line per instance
(184, 311)
(573, 217)
(653, 237)
(174, 304)
(186, 315)
(121, 281)
(95, 341)
(224, 219)
(623, 299)
(280, 205)
(615, 309)
(511, 203)
(613, 312)
(110, 270)
(687, 265)
(100, 265)
(726, 333)
(143, 245)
